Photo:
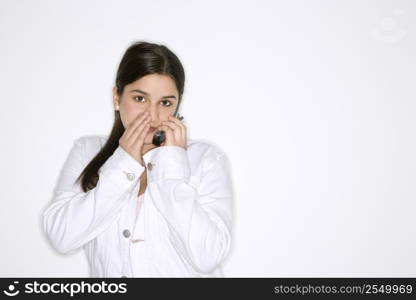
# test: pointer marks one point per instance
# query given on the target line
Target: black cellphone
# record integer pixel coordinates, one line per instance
(160, 135)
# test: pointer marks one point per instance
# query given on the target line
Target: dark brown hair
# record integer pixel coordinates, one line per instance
(140, 59)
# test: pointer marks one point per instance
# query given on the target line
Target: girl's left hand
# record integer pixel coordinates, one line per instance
(175, 132)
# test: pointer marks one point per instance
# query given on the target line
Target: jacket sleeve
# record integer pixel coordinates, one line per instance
(199, 219)
(74, 217)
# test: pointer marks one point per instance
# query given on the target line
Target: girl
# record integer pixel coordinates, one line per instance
(137, 207)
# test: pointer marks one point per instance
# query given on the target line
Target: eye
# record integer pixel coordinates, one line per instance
(139, 97)
(170, 103)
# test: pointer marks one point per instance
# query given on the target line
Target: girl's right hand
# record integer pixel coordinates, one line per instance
(133, 137)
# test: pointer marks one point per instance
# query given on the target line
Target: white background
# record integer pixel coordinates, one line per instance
(312, 101)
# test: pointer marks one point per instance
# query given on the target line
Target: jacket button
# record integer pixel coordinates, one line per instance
(126, 233)
(149, 166)
(130, 176)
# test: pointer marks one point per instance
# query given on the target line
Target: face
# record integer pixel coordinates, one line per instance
(154, 93)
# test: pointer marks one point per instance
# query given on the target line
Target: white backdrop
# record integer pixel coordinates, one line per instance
(312, 101)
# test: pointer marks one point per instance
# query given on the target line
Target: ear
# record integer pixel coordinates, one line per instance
(116, 99)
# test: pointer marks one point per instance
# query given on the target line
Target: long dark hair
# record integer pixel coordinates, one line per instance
(140, 59)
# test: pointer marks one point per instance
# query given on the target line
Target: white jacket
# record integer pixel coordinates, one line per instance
(184, 225)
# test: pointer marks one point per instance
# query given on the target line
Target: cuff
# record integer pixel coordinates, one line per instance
(122, 169)
(167, 162)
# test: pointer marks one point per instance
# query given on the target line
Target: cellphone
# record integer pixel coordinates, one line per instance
(160, 136)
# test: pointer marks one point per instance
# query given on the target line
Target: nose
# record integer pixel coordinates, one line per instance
(154, 116)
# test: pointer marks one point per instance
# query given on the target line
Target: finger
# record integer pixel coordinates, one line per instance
(177, 131)
(138, 142)
(176, 121)
(172, 125)
(138, 131)
(141, 117)
(168, 132)
(180, 124)
(135, 123)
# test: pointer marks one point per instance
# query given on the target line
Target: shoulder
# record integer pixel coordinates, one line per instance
(204, 147)
(90, 144)
(92, 139)
(206, 152)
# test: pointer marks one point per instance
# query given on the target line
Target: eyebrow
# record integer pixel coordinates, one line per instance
(147, 94)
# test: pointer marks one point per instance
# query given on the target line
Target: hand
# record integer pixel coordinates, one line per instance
(175, 132)
(133, 137)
